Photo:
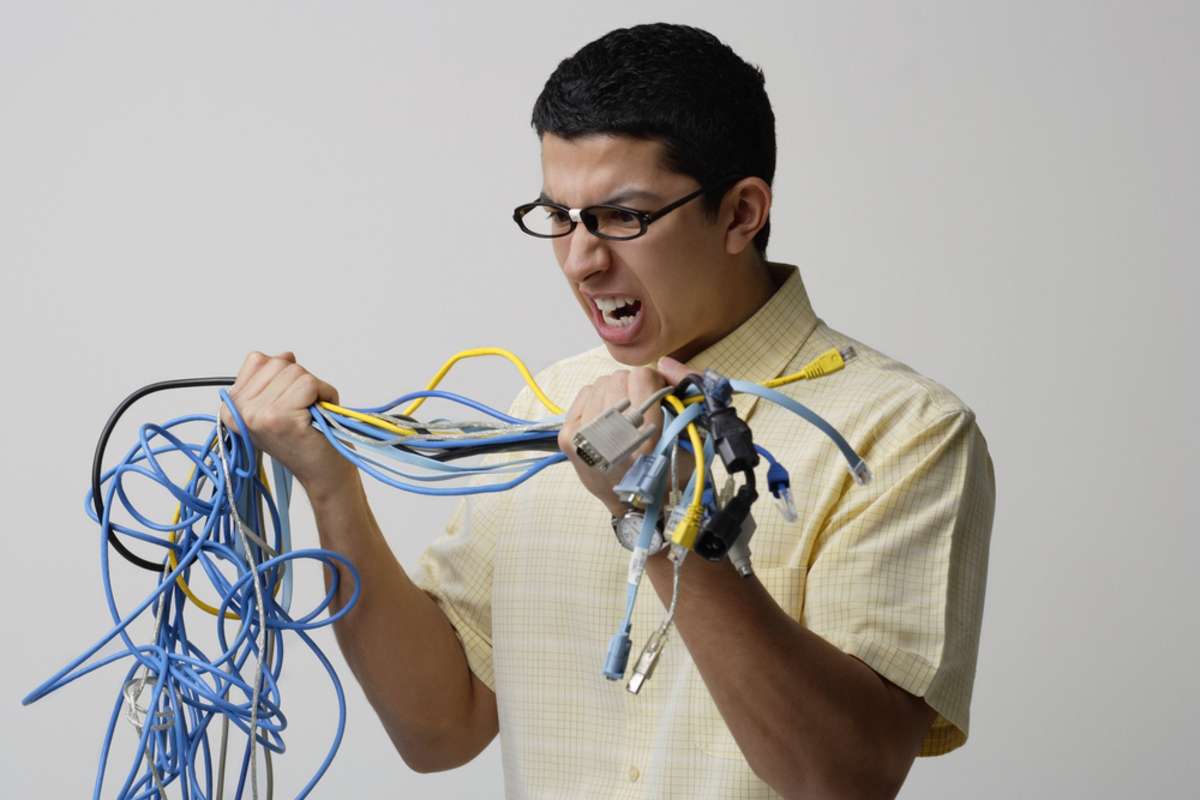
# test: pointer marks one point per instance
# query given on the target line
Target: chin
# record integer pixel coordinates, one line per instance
(632, 355)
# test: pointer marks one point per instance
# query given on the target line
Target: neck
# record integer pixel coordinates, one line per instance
(757, 281)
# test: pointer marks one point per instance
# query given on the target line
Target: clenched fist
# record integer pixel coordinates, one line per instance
(272, 395)
(636, 385)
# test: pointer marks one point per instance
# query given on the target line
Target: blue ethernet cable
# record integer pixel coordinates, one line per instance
(858, 467)
(366, 467)
(617, 658)
(188, 686)
(192, 689)
(451, 396)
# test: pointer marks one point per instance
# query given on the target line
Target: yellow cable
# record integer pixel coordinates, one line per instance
(386, 425)
(689, 527)
(377, 422)
(486, 351)
(827, 363)
(370, 419)
(684, 534)
(174, 562)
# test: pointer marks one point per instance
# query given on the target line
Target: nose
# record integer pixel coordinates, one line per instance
(585, 254)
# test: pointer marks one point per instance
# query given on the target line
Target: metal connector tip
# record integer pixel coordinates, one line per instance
(862, 473)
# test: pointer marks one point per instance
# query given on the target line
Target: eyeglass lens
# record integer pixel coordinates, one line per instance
(547, 220)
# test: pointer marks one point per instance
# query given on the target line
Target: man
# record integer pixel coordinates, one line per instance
(851, 650)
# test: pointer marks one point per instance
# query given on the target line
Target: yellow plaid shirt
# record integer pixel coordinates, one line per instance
(892, 572)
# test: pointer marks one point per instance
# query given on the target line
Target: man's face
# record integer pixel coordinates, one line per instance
(655, 295)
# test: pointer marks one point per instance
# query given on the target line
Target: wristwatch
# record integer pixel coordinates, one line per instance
(629, 527)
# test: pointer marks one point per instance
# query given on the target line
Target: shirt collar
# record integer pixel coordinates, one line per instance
(761, 347)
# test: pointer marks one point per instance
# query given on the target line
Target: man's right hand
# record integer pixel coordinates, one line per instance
(273, 395)
(400, 645)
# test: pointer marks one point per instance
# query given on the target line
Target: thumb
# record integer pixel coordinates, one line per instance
(674, 371)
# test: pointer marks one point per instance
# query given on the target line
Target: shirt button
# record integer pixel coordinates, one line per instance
(634, 773)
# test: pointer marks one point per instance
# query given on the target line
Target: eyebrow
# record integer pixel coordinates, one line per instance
(622, 196)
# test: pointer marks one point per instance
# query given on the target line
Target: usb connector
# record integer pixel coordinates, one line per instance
(647, 661)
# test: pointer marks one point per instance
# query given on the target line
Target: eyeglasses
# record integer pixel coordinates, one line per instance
(547, 220)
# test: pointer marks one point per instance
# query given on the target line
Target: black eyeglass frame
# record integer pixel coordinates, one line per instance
(590, 222)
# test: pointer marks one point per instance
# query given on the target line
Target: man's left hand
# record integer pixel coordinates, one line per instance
(636, 385)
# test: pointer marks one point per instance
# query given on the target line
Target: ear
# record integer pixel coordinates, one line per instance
(745, 209)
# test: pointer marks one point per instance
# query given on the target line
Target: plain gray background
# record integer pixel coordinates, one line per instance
(1001, 195)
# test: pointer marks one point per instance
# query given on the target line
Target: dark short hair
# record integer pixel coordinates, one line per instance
(676, 84)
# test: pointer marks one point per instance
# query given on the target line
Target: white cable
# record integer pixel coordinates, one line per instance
(258, 594)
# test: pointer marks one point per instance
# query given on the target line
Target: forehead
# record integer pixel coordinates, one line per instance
(581, 168)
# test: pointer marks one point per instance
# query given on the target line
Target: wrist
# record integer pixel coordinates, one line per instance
(328, 483)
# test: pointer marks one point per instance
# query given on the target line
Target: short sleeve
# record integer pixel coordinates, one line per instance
(456, 571)
(456, 568)
(898, 574)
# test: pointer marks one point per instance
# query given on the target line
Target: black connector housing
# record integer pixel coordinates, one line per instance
(724, 527)
(735, 443)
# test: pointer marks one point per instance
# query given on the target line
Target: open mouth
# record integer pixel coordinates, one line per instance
(617, 311)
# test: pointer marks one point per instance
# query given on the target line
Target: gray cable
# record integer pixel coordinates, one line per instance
(650, 402)
(258, 595)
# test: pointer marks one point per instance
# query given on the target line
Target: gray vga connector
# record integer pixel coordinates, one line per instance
(610, 438)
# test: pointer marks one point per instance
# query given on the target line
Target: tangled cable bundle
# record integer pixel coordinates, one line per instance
(173, 690)
(231, 529)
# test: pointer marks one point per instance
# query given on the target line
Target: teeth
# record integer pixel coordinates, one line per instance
(608, 307)
(610, 304)
(618, 322)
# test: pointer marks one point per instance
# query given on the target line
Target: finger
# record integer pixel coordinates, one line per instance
(572, 422)
(673, 371)
(643, 383)
(605, 392)
(305, 391)
(250, 365)
(261, 379)
(327, 393)
(281, 384)
(287, 355)
(575, 412)
(615, 390)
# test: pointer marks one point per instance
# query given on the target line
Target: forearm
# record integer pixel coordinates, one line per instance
(811, 720)
(399, 644)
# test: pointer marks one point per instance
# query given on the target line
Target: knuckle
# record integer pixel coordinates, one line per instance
(309, 383)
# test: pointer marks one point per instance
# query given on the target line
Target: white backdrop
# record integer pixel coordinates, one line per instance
(1003, 196)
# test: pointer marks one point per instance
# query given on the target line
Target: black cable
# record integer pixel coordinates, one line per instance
(98, 458)
(549, 445)
(440, 454)
(692, 379)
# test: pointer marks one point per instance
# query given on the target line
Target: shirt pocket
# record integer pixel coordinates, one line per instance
(710, 734)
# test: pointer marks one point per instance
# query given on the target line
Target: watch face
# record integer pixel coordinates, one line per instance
(629, 527)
